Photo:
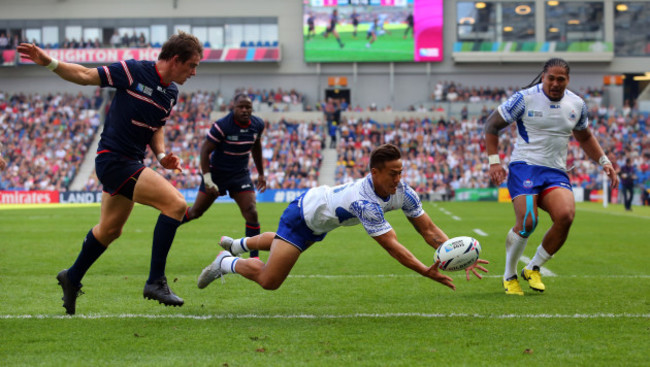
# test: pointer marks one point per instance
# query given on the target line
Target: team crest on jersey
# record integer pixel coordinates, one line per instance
(533, 113)
(144, 89)
(572, 116)
(528, 183)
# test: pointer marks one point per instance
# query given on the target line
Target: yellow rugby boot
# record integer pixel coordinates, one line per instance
(512, 286)
(534, 278)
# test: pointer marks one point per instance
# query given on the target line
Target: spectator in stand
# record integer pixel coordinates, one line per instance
(116, 40)
(4, 41)
(142, 41)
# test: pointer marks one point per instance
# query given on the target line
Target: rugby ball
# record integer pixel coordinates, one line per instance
(457, 253)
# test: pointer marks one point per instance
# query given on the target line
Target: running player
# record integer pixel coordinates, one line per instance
(145, 94)
(320, 210)
(334, 20)
(547, 114)
(225, 154)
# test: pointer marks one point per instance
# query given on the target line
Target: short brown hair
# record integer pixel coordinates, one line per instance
(382, 154)
(183, 44)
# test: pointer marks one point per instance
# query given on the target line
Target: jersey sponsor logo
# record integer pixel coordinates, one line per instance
(245, 186)
(528, 183)
(555, 106)
(564, 184)
(160, 89)
(243, 130)
(232, 137)
(144, 89)
(533, 113)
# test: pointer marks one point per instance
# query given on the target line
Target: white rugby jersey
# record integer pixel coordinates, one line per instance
(326, 208)
(543, 126)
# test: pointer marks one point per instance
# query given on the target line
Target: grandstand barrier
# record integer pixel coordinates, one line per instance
(583, 51)
(110, 55)
(384, 117)
(279, 196)
(487, 194)
(88, 197)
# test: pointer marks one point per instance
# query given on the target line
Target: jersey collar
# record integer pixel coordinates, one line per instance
(160, 76)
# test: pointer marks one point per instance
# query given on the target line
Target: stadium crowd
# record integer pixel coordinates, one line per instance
(444, 155)
(45, 138)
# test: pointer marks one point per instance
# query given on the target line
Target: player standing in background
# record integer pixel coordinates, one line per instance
(320, 210)
(355, 22)
(225, 154)
(145, 95)
(409, 25)
(311, 32)
(334, 20)
(547, 114)
(628, 178)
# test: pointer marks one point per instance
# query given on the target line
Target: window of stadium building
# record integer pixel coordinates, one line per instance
(574, 21)
(141, 33)
(632, 29)
(496, 21)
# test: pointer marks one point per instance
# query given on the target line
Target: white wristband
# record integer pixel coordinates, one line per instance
(494, 159)
(207, 181)
(160, 156)
(53, 64)
(604, 160)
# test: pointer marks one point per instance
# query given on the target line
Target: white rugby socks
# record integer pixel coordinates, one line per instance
(515, 245)
(540, 258)
(228, 265)
(238, 246)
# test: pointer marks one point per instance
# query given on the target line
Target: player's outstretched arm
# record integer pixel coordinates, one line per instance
(75, 73)
(389, 242)
(435, 237)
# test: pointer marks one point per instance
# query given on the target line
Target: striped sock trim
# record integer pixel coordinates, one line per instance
(232, 265)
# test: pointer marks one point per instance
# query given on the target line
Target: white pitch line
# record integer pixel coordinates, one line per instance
(543, 270)
(330, 316)
(479, 232)
(367, 276)
(454, 217)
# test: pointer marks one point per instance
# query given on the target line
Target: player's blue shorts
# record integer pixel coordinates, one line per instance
(527, 179)
(293, 229)
(230, 183)
(117, 173)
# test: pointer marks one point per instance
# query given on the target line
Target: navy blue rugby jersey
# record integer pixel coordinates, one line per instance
(141, 106)
(234, 143)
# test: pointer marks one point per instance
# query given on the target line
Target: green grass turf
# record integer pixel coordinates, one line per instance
(387, 47)
(346, 302)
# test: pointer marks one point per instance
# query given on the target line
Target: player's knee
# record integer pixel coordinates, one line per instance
(177, 207)
(529, 226)
(270, 284)
(109, 235)
(565, 217)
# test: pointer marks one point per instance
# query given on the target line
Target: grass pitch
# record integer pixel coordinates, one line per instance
(346, 302)
(391, 46)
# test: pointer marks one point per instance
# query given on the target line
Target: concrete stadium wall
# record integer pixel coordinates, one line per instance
(413, 82)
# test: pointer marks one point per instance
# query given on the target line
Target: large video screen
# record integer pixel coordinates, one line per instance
(372, 30)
